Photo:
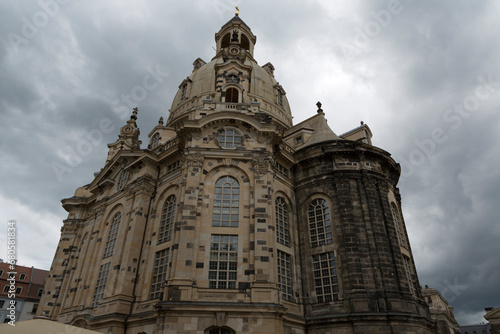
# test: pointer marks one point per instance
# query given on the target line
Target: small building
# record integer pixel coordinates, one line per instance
(476, 329)
(493, 316)
(441, 311)
(25, 290)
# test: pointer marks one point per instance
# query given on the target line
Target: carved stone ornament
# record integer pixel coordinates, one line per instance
(141, 187)
(70, 228)
(98, 210)
(384, 187)
(260, 165)
(220, 319)
(195, 160)
(343, 186)
(370, 184)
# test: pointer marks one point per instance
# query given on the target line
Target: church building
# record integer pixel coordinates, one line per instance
(234, 220)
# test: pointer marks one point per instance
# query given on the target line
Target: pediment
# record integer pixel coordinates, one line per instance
(107, 177)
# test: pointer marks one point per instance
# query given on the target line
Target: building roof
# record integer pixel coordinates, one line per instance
(42, 326)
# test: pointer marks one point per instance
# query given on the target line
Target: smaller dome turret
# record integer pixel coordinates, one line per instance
(128, 139)
(235, 33)
(232, 82)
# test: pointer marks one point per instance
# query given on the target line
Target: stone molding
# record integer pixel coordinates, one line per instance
(195, 160)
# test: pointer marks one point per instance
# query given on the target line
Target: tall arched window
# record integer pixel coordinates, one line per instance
(167, 220)
(226, 40)
(232, 95)
(320, 226)
(397, 225)
(282, 227)
(409, 275)
(113, 233)
(245, 43)
(122, 180)
(226, 202)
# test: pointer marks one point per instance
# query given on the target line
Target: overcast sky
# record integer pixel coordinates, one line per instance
(424, 75)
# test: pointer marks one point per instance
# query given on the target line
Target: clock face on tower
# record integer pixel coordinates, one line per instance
(127, 129)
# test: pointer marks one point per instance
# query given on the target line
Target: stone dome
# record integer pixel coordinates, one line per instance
(233, 67)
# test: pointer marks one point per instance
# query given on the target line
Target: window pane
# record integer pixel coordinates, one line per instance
(319, 223)
(325, 274)
(223, 262)
(229, 206)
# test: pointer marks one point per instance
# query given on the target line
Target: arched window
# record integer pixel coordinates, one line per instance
(282, 227)
(167, 220)
(113, 233)
(229, 138)
(226, 202)
(226, 40)
(409, 275)
(232, 95)
(320, 226)
(397, 225)
(155, 140)
(122, 180)
(184, 92)
(245, 43)
(219, 330)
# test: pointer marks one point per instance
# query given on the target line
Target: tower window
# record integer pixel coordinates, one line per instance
(101, 284)
(320, 227)
(397, 225)
(285, 275)
(113, 233)
(226, 202)
(229, 138)
(22, 276)
(325, 277)
(122, 180)
(159, 272)
(184, 92)
(245, 43)
(232, 95)
(155, 140)
(223, 266)
(226, 40)
(409, 275)
(167, 220)
(282, 226)
(280, 97)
